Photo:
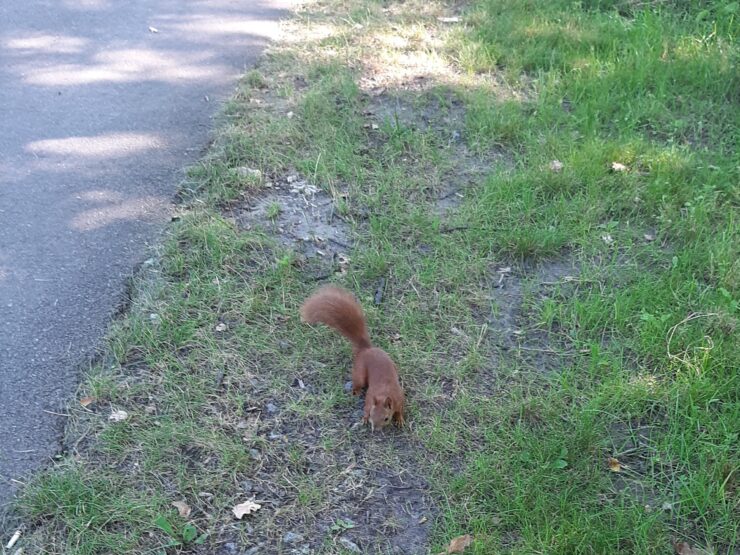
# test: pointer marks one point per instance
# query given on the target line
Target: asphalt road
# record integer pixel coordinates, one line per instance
(102, 103)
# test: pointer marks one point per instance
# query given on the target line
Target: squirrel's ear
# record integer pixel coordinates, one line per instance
(388, 403)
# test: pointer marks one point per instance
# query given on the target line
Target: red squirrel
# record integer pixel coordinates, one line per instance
(372, 367)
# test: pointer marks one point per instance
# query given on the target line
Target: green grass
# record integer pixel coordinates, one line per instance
(614, 334)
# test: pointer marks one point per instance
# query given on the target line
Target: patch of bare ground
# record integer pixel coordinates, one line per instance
(302, 218)
(632, 449)
(421, 105)
(328, 484)
(330, 487)
(517, 338)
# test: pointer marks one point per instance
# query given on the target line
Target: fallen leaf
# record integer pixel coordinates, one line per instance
(221, 327)
(458, 544)
(118, 415)
(182, 508)
(683, 548)
(556, 166)
(614, 465)
(85, 401)
(246, 508)
(618, 167)
(153, 30)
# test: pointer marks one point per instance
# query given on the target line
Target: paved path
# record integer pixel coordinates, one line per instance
(102, 102)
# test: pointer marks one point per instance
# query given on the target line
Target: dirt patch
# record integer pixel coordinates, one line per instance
(632, 447)
(439, 112)
(301, 217)
(327, 486)
(514, 331)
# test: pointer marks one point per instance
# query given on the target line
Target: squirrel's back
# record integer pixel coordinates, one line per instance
(338, 309)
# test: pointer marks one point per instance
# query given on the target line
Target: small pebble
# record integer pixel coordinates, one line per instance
(256, 455)
(271, 408)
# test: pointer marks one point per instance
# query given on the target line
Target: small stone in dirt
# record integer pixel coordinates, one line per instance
(274, 436)
(348, 386)
(649, 237)
(256, 455)
(247, 485)
(249, 172)
(271, 408)
(291, 178)
(229, 547)
(349, 545)
(292, 537)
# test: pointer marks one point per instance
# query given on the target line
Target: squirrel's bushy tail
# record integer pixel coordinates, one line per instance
(338, 309)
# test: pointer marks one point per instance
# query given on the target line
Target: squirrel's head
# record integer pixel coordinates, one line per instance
(381, 413)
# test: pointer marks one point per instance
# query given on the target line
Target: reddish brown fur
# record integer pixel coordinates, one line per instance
(372, 367)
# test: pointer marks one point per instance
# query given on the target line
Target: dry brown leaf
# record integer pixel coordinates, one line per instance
(182, 508)
(458, 544)
(683, 548)
(85, 401)
(246, 508)
(614, 465)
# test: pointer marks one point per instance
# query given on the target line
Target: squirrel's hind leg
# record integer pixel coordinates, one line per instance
(359, 378)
